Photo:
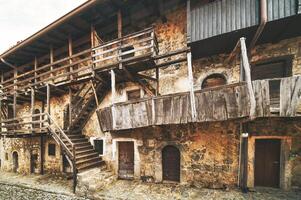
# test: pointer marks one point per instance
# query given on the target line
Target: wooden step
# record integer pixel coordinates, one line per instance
(84, 148)
(84, 152)
(87, 156)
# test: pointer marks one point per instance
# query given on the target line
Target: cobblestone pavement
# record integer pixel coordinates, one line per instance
(35, 187)
(132, 190)
(10, 192)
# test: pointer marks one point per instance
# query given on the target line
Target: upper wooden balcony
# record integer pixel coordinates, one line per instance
(136, 51)
(228, 102)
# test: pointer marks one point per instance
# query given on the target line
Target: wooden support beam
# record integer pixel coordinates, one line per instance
(35, 69)
(157, 83)
(51, 59)
(70, 106)
(119, 28)
(191, 89)
(146, 77)
(137, 80)
(42, 154)
(48, 99)
(95, 94)
(70, 52)
(32, 104)
(113, 88)
(119, 23)
(247, 71)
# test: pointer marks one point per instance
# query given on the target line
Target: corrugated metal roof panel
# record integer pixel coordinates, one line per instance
(222, 17)
(278, 9)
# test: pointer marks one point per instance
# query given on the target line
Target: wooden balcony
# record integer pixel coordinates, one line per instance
(222, 103)
(24, 125)
(134, 50)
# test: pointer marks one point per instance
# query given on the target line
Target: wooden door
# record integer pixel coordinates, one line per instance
(126, 160)
(267, 162)
(171, 163)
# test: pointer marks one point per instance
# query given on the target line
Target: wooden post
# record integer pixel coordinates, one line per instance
(70, 106)
(48, 101)
(35, 69)
(92, 37)
(70, 51)
(113, 88)
(119, 24)
(190, 79)
(157, 84)
(32, 104)
(244, 160)
(51, 61)
(247, 71)
(42, 155)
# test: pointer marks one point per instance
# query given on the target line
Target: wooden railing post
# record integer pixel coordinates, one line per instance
(191, 88)
(247, 72)
(113, 87)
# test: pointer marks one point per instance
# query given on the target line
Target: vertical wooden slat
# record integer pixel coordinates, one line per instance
(51, 61)
(70, 52)
(32, 103)
(190, 78)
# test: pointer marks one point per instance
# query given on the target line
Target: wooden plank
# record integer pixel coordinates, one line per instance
(247, 71)
(191, 89)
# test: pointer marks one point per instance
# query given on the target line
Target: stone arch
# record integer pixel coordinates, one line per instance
(158, 160)
(15, 161)
(171, 163)
(213, 80)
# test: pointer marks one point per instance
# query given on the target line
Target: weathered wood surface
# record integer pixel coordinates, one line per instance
(290, 93)
(213, 104)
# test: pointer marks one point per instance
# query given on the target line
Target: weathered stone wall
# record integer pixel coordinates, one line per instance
(25, 147)
(209, 152)
(216, 64)
(290, 134)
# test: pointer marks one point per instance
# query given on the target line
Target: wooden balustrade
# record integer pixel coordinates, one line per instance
(221, 103)
(130, 48)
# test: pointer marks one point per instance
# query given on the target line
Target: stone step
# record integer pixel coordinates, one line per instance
(91, 165)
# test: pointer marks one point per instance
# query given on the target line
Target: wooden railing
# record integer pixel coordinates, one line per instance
(35, 123)
(71, 68)
(130, 48)
(221, 103)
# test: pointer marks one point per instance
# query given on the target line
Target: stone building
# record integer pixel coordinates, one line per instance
(204, 93)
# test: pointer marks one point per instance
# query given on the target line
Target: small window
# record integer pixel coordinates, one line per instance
(98, 146)
(51, 149)
(133, 94)
(214, 80)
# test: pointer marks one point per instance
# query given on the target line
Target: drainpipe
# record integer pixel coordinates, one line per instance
(263, 21)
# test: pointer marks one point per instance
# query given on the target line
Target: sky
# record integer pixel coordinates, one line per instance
(20, 19)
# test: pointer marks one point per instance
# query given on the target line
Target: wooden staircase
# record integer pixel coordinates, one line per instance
(77, 148)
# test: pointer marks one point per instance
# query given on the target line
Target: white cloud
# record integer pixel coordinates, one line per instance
(20, 19)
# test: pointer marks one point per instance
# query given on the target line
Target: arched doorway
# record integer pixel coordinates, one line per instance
(214, 80)
(171, 163)
(15, 162)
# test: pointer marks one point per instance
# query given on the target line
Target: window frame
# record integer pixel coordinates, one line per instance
(48, 152)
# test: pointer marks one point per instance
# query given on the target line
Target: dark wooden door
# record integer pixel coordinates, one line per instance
(171, 163)
(126, 160)
(267, 162)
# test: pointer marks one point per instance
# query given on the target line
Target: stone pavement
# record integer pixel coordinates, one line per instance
(52, 187)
